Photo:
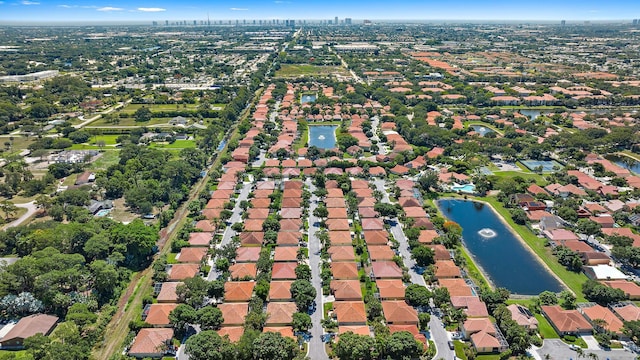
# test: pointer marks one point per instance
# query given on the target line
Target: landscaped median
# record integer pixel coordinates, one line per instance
(571, 279)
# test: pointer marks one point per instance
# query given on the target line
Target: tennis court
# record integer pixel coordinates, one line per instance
(547, 165)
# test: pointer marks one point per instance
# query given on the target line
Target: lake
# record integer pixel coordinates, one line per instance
(307, 98)
(481, 130)
(503, 257)
(322, 136)
(532, 114)
(635, 168)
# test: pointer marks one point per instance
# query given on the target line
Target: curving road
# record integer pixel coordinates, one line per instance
(31, 209)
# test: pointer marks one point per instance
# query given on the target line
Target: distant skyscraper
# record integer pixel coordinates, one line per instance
(335, 21)
(347, 21)
(155, 23)
(166, 23)
(635, 22)
(195, 22)
(563, 23)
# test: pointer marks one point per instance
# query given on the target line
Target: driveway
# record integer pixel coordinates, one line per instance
(558, 350)
(316, 349)
(31, 209)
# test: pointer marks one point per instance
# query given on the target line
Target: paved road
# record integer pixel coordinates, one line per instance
(438, 333)
(31, 209)
(558, 350)
(98, 116)
(316, 349)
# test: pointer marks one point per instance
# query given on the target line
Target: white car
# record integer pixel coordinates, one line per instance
(574, 347)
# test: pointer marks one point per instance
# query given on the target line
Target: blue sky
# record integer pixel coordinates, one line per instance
(129, 10)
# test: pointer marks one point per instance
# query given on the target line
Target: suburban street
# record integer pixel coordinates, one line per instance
(316, 349)
(437, 331)
(558, 350)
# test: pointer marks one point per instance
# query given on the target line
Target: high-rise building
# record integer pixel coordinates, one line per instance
(563, 23)
(166, 23)
(347, 21)
(335, 21)
(635, 22)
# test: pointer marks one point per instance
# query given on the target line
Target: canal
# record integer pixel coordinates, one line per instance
(502, 257)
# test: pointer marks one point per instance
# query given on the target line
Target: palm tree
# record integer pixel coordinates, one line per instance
(592, 356)
(547, 357)
(579, 352)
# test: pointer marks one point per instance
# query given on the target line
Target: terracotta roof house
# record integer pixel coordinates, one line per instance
(447, 269)
(376, 237)
(398, 312)
(288, 238)
(335, 193)
(247, 254)
(291, 202)
(291, 213)
(629, 287)
(286, 253)
(472, 306)
(474, 325)
(367, 212)
(280, 291)
(27, 327)
(284, 271)
(168, 293)
(344, 270)
(415, 212)
(158, 314)
(346, 290)
(280, 313)
(253, 238)
(566, 321)
(390, 289)
(254, 225)
(440, 252)
(335, 203)
(337, 224)
(359, 184)
(258, 213)
(285, 331)
(342, 253)
(350, 312)
(612, 322)
(427, 236)
(200, 238)
(522, 316)
(340, 238)
(377, 171)
(560, 235)
(372, 224)
(262, 193)
(192, 254)
(151, 343)
(386, 270)
(234, 313)
(363, 193)
(205, 226)
(380, 253)
(356, 329)
(290, 224)
(484, 342)
(238, 291)
(628, 312)
(183, 271)
(456, 287)
(262, 203)
(233, 332)
(242, 271)
(337, 213)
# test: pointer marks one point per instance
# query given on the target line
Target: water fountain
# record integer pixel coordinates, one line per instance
(321, 137)
(487, 233)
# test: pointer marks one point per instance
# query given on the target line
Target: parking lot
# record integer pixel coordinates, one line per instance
(558, 350)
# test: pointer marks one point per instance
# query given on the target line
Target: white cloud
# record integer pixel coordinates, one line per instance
(239, 9)
(110, 8)
(27, 2)
(77, 6)
(153, 9)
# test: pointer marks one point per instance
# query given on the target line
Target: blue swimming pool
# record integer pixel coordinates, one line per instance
(467, 188)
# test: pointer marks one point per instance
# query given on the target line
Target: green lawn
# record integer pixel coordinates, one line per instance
(473, 271)
(545, 329)
(171, 258)
(459, 349)
(18, 355)
(571, 279)
(488, 357)
(540, 179)
(131, 108)
(295, 70)
(178, 144)
(108, 158)
(129, 121)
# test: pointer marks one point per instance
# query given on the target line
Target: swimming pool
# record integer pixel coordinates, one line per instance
(103, 212)
(466, 188)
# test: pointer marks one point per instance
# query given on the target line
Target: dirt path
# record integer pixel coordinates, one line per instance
(31, 209)
(131, 299)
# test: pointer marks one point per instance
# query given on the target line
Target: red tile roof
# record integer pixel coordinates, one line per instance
(150, 341)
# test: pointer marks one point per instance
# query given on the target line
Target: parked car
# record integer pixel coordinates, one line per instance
(450, 343)
(574, 347)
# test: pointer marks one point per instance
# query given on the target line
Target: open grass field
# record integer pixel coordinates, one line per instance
(571, 279)
(294, 70)
(130, 121)
(131, 108)
(18, 143)
(540, 179)
(178, 144)
(108, 158)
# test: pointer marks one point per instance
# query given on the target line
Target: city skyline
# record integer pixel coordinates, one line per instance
(144, 10)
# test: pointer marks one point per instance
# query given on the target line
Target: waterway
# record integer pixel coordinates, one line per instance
(322, 136)
(501, 256)
(532, 114)
(635, 168)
